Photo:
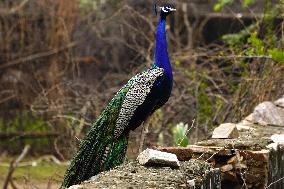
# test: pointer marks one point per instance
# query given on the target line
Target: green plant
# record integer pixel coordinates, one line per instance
(180, 134)
(265, 45)
(222, 3)
(257, 53)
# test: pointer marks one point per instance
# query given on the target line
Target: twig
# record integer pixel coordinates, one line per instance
(57, 150)
(188, 26)
(198, 55)
(274, 182)
(223, 148)
(13, 165)
(74, 119)
(192, 126)
(14, 9)
(7, 98)
(82, 120)
(33, 135)
(13, 184)
(241, 173)
(38, 55)
(232, 15)
(145, 130)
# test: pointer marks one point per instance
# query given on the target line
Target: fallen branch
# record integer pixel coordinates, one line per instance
(13, 165)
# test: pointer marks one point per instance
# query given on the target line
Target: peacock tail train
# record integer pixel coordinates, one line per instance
(91, 155)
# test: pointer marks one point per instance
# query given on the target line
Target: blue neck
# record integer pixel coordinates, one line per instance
(161, 52)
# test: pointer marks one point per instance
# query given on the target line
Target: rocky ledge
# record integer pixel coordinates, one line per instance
(191, 174)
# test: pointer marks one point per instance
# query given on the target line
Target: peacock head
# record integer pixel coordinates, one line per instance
(165, 10)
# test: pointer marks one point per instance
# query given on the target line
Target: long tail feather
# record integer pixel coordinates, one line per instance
(97, 153)
(100, 150)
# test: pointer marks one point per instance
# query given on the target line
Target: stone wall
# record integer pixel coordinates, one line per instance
(249, 154)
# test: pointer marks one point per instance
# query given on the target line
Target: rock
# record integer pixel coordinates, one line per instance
(249, 119)
(230, 176)
(191, 183)
(203, 149)
(155, 157)
(192, 174)
(272, 146)
(243, 126)
(182, 153)
(76, 187)
(226, 168)
(233, 160)
(226, 130)
(268, 113)
(278, 138)
(279, 102)
(240, 166)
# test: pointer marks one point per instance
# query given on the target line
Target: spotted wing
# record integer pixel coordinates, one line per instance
(136, 95)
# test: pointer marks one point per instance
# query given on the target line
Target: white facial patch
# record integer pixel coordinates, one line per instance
(167, 9)
(163, 9)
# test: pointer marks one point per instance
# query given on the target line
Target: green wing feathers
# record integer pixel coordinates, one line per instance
(100, 151)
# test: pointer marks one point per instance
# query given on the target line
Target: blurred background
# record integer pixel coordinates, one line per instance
(62, 61)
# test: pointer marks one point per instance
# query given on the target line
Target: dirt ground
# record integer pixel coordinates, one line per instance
(133, 175)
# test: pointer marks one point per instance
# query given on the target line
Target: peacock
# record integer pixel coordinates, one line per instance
(105, 145)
